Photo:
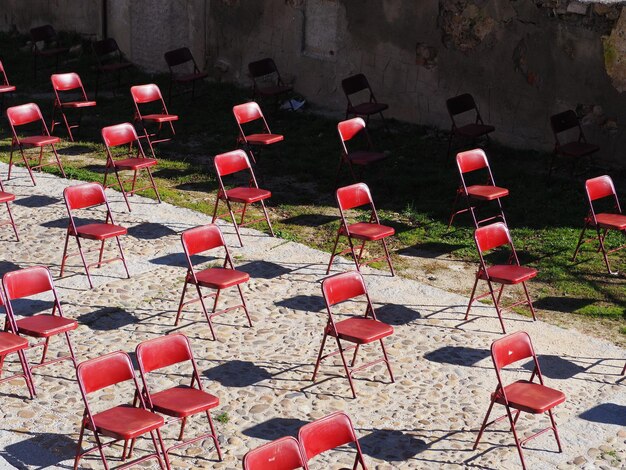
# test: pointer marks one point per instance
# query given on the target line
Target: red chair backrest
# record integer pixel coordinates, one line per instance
(26, 282)
(145, 93)
(471, 160)
(460, 104)
(510, 349)
(600, 187)
(24, 114)
(352, 196)
(178, 56)
(66, 81)
(247, 112)
(231, 162)
(348, 129)
(492, 236)
(342, 287)
(326, 433)
(354, 84)
(163, 351)
(104, 371)
(281, 454)
(198, 239)
(119, 134)
(84, 195)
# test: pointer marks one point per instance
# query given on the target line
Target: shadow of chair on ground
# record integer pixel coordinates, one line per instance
(41, 451)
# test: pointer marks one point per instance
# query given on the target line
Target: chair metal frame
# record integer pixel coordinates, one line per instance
(340, 288)
(120, 135)
(212, 238)
(469, 162)
(281, 454)
(5, 86)
(248, 112)
(488, 238)
(109, 59)
(124, 372)
(351, 197)
(6, 198)
(177, 57)
(265, 70)
(47, 35)
(563, 122)
(334, 430)
(358, 83)
(597, 188)
(23, 115)
(462, 104)
(27, 282)
(230, 163)
(178, 350)
(347, 131)
(64, 84)
(84, 196)
(505, 351)
(144, 95)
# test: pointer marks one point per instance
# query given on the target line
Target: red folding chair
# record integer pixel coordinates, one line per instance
(248, 113)
(228, 164)
(109, 60)
(179, 402)
(5, 86)
(460, 107)
(199, 240)
(358, 85)
(354, 196)
(598, 189)
(183, 70)
(149, 96)
(83, 196)
(266, 80)
(122, 422)
(31, 281)
(476, 194)
(488, 238)
(359, 330)
(24, 115)
(124, 135)
(349, 130)
(45, 44)
(522, 395)
(328, 433)
(13, 343)
(281, 454)
(69, 94)
(5, 198)
(563, 125)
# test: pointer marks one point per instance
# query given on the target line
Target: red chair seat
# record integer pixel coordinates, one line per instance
(191, 77)
(367, 231)
(264, 139)
(368, 108)
(362, 330)
(487, 193)
(100, 231)
(578, 149)
(221, 278)
(78, 104)
(10, 342)
(40, 140)
(126, 422)
(6, 88)
(247, 195)
(363, 157)
(6, 197)
(509, 273)
(135, 163)
(273, 90)
(45, 325)
(474, 130)
(160, 117)
(183, 401)
(611, 221)
(530, 397)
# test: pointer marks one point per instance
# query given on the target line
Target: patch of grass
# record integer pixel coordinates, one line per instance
(610, 311)
(222, 418)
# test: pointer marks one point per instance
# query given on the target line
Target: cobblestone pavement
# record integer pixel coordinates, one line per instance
(426, 419)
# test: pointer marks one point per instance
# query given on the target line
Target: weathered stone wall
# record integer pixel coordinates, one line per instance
(523, 60)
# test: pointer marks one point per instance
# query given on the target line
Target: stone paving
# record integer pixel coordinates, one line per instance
(426, 419)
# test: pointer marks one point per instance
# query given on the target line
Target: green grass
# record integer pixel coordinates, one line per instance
(413, 193)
